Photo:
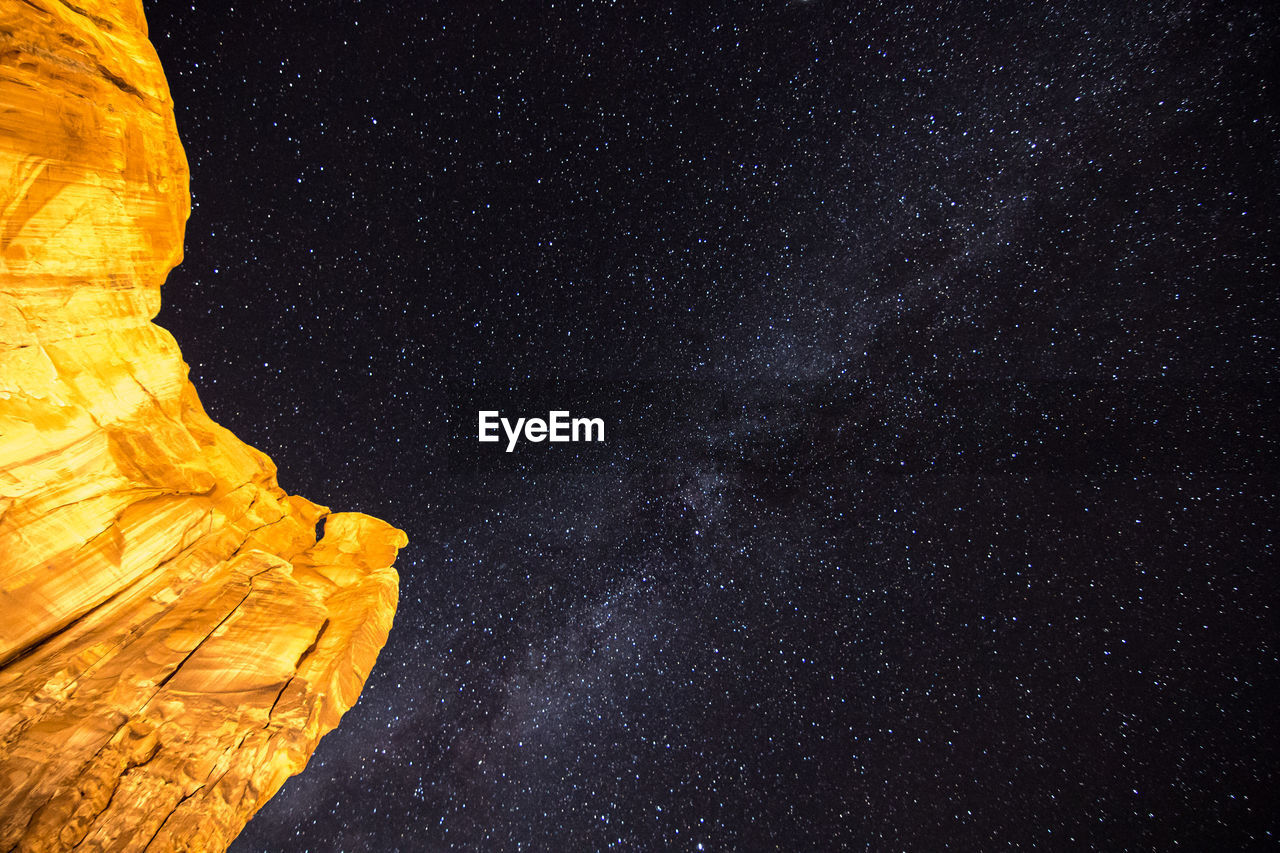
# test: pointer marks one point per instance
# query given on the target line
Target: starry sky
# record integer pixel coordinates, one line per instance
(936, 347)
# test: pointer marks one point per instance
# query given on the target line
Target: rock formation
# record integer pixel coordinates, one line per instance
(173, 639)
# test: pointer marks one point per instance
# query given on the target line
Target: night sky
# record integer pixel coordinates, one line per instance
(936, 350)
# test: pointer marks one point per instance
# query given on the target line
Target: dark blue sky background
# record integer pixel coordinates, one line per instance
(936, 348)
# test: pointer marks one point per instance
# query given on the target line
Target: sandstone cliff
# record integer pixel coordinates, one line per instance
(173, 639)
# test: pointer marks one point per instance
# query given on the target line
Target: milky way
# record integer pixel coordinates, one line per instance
(936, 350)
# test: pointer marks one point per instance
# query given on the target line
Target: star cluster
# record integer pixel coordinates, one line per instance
(936, 350)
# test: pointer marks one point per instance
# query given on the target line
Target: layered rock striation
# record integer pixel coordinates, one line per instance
(174, 640)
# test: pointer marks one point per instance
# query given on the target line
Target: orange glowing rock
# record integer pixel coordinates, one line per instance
(173, 640)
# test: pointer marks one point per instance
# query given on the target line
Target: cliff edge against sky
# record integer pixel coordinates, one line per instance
(173, 639)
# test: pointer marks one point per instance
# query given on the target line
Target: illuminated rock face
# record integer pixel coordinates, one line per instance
(173, 640)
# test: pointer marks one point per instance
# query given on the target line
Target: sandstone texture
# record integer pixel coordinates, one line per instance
(174, 640)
